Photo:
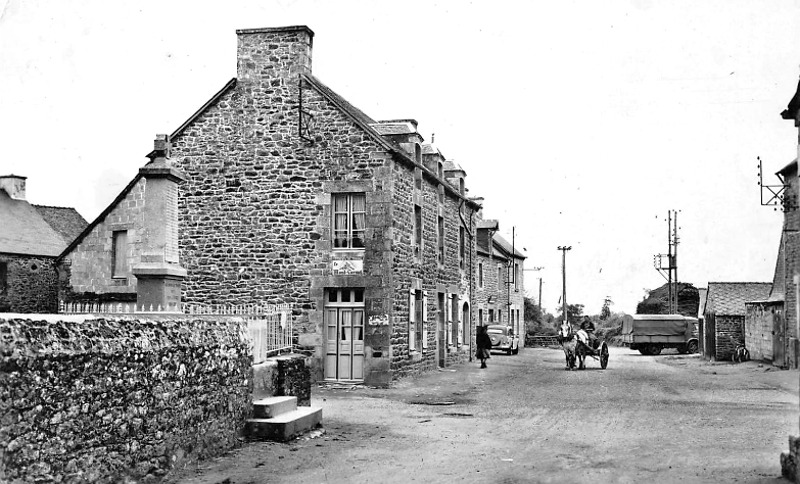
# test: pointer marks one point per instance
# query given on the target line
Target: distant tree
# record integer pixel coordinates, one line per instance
(574, 313)
(655, 302)
(605, 313)
(536, 321)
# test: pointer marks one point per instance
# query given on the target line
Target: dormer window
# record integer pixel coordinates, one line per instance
(418, 153)
(440, 171)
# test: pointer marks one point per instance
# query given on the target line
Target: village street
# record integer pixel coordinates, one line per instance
(669, 418)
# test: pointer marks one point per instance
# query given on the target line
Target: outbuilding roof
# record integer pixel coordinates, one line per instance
(506, 247)
(728, 298)
(25, 231)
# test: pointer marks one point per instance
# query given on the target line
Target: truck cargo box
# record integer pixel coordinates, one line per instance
(658, 328)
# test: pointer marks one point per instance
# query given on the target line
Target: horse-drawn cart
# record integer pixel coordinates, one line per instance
(578, 345)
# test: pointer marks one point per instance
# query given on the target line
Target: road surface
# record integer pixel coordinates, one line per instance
(667, 418)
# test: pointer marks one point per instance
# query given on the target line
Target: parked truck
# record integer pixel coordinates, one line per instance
(651, 333)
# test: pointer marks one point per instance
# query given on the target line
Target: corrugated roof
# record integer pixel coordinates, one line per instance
(66, 221)
(728, 298)
(23, 230)
(701, 308)
(778, 292)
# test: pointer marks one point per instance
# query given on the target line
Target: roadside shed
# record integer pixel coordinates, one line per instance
(724, 317)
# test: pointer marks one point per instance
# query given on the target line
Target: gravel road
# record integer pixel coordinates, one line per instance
(668, 418)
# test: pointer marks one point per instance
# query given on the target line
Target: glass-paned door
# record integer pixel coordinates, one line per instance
(344, 334)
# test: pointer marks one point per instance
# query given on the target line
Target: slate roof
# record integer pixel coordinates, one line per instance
(393, 128)
(66, 221)
(23, 230)
(728, 298)
(506, 247)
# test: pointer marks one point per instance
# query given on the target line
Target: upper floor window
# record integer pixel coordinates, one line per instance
(417, 231)
(516, 276)
(119, 254)
(480, 275)
(461, 247)
(349, 217)
(441, 240)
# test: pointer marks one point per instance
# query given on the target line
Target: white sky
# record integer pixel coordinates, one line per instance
(581, 122)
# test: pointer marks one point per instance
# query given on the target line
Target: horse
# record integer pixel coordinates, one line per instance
(568, 341)
(583, 347)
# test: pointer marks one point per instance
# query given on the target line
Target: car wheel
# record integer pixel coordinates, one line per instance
(654, 350)
(692, 346)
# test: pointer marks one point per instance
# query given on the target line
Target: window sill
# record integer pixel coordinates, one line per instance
(415, 355)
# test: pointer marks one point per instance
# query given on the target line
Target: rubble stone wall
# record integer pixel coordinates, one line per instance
(31, 284)
(729, 334)
(102, 400)
(759, 323)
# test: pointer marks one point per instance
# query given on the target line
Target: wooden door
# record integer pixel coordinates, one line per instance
(778, 339)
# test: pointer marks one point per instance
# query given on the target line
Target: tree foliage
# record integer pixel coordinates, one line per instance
(574, 313)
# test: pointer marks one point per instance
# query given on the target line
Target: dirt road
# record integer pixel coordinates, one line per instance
(669, 418)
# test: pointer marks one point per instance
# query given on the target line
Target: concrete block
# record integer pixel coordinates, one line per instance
(271, 407)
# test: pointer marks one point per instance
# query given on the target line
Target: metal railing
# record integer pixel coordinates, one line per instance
(268, 325)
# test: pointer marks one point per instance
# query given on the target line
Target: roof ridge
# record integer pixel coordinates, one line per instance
(54, 206)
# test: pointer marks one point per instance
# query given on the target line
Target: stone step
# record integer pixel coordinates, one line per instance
(273, 406)
(284, 426)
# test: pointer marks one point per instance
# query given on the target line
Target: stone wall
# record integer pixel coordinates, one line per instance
(759, 325)
(86, 271)
(101, 400)
(30, 285)
(729, 334)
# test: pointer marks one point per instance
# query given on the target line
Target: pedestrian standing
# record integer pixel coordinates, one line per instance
(484, 344)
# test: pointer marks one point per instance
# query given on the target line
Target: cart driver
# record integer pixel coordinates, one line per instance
(588, 326)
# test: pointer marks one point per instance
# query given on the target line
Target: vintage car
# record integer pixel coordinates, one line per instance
(503, 338)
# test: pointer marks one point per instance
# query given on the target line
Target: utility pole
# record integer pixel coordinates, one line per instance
(669, 258)
(540, 295)
(671, 264)
(564, 250)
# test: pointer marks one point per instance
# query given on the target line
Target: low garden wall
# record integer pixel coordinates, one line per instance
(103, 400)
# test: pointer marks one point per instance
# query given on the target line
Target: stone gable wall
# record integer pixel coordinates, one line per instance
(103, 400)
(86, 270)
(31, 284)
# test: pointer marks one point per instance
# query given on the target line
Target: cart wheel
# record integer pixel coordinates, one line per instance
(603, 355)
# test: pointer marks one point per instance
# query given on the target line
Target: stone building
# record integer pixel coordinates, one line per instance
(31, 236)
(724, 317)
(772, 323)
(500, 293)
(129, 253)
(293, 195)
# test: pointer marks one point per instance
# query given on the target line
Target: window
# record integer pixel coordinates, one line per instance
(417, 231)
(480, 276)
(516, 276)
(3, 278)
(461, 248)
(119, 254)
(491, 316)
(455, 339)
(349, 216)
(441, 240)
(415, 320)
(499, 315)
(480, 317)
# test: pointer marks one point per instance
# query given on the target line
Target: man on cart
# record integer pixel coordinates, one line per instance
(588, 326)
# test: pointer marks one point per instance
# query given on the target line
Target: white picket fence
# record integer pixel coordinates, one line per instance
(269, 325)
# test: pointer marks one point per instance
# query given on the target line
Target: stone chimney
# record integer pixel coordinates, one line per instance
(268, 54)
(14, 185)
(158, 273)
(455, 175)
